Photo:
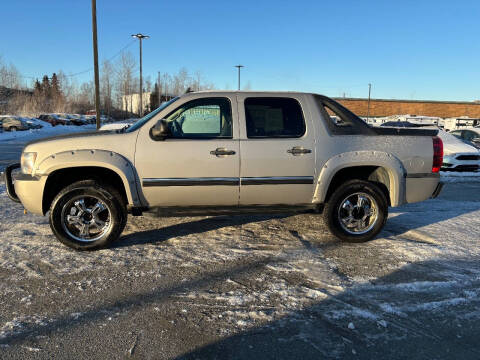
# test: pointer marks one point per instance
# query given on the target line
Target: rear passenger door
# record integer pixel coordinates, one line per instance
(277, 151)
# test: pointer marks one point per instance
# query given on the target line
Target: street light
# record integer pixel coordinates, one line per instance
(239, 67)
(141, 37)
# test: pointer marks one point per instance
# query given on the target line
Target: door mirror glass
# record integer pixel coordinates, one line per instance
(160, 131)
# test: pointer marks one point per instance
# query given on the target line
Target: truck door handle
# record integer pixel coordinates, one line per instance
(298, 150)
(222, 152)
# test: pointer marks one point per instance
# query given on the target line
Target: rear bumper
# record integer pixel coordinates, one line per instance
(420, 187)
(438, 190)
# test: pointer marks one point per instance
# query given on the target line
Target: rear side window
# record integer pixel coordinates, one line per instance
(274, 118)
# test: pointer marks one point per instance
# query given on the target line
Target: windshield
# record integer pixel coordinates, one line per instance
(139, 123)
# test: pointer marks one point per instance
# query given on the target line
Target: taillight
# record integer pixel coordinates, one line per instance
(437, 154)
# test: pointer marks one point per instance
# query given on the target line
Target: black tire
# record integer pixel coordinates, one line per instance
(114, 221)
(333, 211)
(12, 128)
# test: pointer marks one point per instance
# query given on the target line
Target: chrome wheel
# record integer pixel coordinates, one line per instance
(358, 213)
(86, 218)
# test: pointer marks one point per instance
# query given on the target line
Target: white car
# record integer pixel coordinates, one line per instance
(458, 155)
(469, 135)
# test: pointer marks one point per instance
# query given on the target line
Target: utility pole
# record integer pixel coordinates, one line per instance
(95, 62)
(239, 67)
(368, 107)
(141, 37)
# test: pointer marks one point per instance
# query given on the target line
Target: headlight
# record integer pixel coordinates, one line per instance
(27, 162)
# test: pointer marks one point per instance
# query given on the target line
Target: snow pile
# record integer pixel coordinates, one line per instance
(118, 125)
(46, 131)
(464, 176)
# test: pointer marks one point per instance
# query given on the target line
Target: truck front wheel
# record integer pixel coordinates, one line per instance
(356, 211)
(87, 215)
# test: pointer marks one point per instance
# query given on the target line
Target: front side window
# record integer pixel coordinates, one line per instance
(274, 118)
(202, 118)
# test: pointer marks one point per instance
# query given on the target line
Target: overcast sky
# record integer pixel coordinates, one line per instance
(407, 49)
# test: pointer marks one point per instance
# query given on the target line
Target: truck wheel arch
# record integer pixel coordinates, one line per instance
(376, 166)
(64, 168)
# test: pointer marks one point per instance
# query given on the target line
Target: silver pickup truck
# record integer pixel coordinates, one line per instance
(228, 152)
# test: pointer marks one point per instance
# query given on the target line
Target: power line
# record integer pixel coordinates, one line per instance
(88, 70)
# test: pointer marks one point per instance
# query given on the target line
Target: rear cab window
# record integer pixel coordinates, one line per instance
(274, 117)
(339, 120)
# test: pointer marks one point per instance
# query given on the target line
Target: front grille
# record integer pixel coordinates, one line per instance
(467, 167)
(468, 157)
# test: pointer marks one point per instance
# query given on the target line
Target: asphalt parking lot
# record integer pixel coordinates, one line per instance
(247, 287)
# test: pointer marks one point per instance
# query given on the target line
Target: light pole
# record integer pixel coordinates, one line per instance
(141, 37)
(239, 67)
(95, 62)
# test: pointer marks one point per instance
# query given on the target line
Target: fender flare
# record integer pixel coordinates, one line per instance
(94, 158)
(393, 166)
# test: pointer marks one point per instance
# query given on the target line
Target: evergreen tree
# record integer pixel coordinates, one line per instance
(55, 87)
(46, 86)
(37, 88)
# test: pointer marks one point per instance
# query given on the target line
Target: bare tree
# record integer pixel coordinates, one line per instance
(125, 81)
(9, 76)
(147, 87)
(119, 89)
(106, 86)
(247, 86)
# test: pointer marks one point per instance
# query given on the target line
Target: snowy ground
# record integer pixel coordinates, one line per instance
(248, 287)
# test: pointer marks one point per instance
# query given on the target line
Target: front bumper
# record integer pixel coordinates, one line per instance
(9, 182)
(461, 162)
(26, 189)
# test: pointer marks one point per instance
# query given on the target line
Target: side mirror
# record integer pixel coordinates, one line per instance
(160, 131)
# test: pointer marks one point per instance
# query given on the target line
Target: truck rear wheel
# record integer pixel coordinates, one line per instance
(88, 215)
(356, 211)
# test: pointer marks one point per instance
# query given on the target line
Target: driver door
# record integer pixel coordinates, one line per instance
(198, 164)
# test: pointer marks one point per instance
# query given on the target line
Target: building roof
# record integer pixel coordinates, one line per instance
(476, 102)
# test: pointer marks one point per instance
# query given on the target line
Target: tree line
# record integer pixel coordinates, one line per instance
(61, 93)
